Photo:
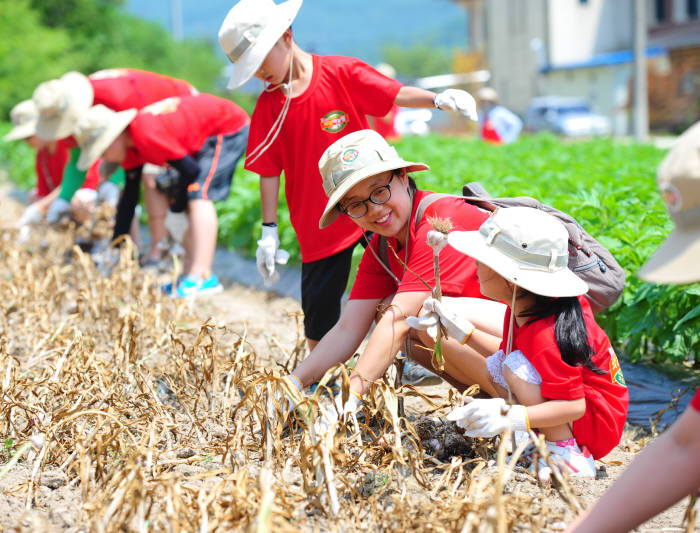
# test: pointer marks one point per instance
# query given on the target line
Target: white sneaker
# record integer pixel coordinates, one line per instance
(567, 454)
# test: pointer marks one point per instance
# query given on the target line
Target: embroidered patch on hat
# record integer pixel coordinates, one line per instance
(349, 155)
(672, 196)
(334, 121)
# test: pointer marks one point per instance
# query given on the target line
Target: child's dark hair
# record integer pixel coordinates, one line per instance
(570, 329)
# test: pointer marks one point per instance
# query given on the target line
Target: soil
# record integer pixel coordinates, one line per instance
(256, 315)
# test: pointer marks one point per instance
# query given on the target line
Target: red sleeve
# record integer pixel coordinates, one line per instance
(270, 162)
(373, 92)
(695, 402)
(372, 280)
(92, 176)
(560, 381)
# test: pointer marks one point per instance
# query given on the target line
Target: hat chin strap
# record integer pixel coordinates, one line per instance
(277, 125)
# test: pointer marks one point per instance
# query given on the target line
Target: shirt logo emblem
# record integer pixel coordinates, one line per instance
(616, 370)
(672, 196)
(334, 121)
(109, 73)
(163, 107)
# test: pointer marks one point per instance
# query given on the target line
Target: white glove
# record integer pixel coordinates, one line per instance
(457, 100)
(445, 313)
(489, 417)
(330, 416)
(269, 253)
(57, 210)
(436, 240)
(108, 193)
(32, 215)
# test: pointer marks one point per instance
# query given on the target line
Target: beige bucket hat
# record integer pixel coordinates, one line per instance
(97, 128)
(353, 158)
(526, 246)
(23, 117)
(250, 30)
(60, 103)
(678, 259)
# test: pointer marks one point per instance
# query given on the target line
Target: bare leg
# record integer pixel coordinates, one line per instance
(530, 394)
(202, 237)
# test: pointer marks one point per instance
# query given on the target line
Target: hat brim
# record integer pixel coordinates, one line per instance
(250, 61)
(22, 131)
(676, 261)
(555, 284)
(90, 154)
(330, 213)
(80, 95)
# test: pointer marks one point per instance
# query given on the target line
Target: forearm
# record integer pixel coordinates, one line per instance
(483, 342)
(73, 178)
(661, 475)
(43, 204)
(555, 412)
(414, 97)
(269, 197)
(127, 203)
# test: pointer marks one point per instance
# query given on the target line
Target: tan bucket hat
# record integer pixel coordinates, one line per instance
(250, 30)
(527, 247)
(678, 259)
(97, 128)
(23, 117)
(60, 103)
(353, 158)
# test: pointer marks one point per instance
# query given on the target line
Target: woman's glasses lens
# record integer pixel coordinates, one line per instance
(379, 196)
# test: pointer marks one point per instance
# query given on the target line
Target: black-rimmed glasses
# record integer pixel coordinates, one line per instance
(379, 196)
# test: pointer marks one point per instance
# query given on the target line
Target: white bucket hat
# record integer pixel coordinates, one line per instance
(353, 158)
(23, 116)
(60, 103)
(526, 246)
(250, 30)
(678, 259)
(97, 129)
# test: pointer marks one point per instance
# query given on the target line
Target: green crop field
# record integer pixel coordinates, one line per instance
(609, 187)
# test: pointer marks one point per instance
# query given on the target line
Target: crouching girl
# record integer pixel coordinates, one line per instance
(562, 373)
(367, 181)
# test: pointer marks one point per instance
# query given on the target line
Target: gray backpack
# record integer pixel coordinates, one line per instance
(588, 259)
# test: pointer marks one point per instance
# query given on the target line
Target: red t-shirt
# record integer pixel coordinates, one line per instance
(607, 399)
(341, 92)
(457, 271)
(384, 126)
(125, 88)
(175, 127)
(50, 166)
(695, 402)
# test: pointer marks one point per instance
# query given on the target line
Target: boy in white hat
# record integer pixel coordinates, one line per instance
(51, 160)
(62, 101)
(202, 137)
(308, 103)
(669, 469)
(554, 359)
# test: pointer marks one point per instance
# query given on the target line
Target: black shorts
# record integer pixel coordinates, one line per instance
(323, 283)
(217, 162)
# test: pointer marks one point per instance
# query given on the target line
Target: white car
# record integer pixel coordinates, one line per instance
(571, 117)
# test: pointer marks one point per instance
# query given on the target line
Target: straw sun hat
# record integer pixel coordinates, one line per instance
(97, 128)
(250, 30)
(526, 246)
(678, 259)
(60, 103)
(23, 117)
(351, 159)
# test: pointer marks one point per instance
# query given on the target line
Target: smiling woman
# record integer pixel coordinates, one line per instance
(365, 179)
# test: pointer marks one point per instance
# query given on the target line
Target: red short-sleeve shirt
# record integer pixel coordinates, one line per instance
(695, 402)
(50, 165)
(457, 271)
(175, 127)
(341, 92)
(607, 399)
(125, 88)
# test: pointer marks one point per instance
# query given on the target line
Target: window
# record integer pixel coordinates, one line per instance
(692, 8)
(662, 10)
(583, 2)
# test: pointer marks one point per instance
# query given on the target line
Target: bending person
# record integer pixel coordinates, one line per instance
(367, 182)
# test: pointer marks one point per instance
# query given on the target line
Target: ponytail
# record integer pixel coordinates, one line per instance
(570, 329)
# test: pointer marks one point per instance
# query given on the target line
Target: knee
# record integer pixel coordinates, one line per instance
(526, 393)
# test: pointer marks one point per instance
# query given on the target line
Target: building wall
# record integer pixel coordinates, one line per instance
(674, 92)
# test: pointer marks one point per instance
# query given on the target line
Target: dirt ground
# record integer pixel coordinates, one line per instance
(271, 325)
